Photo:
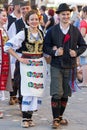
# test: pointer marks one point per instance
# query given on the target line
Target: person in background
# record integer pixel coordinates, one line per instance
(51, 20)
(32, 66)
(5, 75)
(45, 17)
(9, 8)
(83, 57)
(64, 43)
(17, 26)
(16, 14)
(75, 14)
(48, 25)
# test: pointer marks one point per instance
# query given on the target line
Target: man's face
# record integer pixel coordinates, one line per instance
(64, 17)
(25, 10)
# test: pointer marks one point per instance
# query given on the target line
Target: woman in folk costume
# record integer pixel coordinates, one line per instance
(32, 65)
(5, 81)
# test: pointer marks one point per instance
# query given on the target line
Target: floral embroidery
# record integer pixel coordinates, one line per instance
(35, 63)
(34, 74)
(35, 85)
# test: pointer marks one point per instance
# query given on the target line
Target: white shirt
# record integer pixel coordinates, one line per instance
(15, 42)
(12, 30)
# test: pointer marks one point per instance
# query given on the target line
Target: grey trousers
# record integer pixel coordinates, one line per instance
(60, 82)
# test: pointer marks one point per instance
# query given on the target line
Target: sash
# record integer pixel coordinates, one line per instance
(4, 65)
(72, 83)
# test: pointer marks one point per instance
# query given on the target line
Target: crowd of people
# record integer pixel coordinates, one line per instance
(31, 38)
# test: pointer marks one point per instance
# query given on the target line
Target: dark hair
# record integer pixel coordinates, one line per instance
(84, 9)
(29, 14)
(43, 8)
(51, 12)
(24, 3)
(34, 7)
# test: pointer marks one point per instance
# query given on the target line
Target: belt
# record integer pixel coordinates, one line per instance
(32, 56)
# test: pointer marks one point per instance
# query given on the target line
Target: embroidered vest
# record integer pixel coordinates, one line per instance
(31, 44)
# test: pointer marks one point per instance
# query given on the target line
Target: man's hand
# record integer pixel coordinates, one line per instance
(73, 53)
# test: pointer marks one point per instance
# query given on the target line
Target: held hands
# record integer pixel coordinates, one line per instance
(59, 51)
(72, 53)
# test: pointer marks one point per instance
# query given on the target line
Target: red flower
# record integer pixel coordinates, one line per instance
(66, 38)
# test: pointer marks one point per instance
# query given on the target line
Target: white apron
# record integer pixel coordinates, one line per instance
(33, 77)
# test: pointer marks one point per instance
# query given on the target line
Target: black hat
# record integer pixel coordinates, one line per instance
(25, 3)
(63, 7)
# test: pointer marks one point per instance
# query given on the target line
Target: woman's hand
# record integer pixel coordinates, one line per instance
(60, 51)
(23, 60)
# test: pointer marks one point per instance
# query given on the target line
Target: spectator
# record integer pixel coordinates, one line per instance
(83, 57)
(45, 17)
(51, 20)
(75, 14)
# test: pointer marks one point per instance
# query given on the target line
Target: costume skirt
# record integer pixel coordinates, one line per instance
(31, 103)
(33, 77)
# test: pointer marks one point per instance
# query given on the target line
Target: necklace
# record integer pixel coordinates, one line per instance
(32, 30)
(35, 36)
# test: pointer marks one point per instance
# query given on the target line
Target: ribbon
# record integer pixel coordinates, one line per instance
(73, 84)
(4, 65)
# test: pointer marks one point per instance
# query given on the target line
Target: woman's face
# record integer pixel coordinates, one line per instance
(33, 21)
(3, 17)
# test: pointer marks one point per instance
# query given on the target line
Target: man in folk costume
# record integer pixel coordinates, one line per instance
(16, 27)
(64, 43)
(5, 77)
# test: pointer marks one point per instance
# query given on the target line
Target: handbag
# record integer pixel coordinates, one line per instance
(84, 54)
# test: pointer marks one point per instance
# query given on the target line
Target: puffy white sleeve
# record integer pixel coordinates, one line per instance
(11, 31)
(15, 42)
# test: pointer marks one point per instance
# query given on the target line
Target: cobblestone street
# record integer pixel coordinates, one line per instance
(76, 113)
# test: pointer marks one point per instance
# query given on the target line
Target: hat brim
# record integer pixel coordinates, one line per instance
(58, 11)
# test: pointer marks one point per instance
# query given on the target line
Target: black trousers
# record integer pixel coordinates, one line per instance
(16, 82)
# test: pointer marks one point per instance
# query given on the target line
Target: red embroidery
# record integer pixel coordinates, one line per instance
(54, 104)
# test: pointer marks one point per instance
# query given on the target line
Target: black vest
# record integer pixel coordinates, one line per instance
(10, 21)
(19, 26)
